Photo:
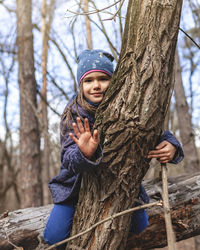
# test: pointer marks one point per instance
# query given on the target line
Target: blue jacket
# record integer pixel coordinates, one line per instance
(66, 185)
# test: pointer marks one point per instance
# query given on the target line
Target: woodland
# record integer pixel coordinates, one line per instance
(156, 46)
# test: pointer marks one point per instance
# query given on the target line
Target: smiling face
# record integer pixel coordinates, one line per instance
(95, 85)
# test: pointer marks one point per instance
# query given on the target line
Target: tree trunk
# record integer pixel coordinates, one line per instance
(129, 120)
(87, 24)
(185, 125)
(184, 194)
(191, 160)
(30, 172)
(46, 23)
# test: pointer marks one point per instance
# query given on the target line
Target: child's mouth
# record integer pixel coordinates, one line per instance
(97, 94)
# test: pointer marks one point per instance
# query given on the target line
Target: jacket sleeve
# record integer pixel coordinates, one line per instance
(73, 159)
(179, 155)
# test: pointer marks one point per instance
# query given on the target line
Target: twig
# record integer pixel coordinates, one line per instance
(168, 222)
(198, 46)
(7, 237)
(116, 13)
(158, 203)
(92, 12)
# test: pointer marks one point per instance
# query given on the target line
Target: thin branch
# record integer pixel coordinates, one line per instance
(57, 86)
(52, 79)
(116, 13)
(113, 49)
(168, 222)
(16, 247)
(47, 103)
(198, 46)
(62, 54)
(92, 12)
(158, 203)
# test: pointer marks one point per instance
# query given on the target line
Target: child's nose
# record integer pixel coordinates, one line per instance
(96, 83)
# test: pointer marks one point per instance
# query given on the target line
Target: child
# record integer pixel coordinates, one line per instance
(81, 151)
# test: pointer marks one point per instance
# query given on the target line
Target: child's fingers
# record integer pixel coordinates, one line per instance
(96, 135)
(161, 145)
(73, 138)
(163, 160)
(86, 124)
(155, 153)
(80, 125)
(159, 155)
(76, 131)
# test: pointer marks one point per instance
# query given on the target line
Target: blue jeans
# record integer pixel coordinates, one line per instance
(59, 224)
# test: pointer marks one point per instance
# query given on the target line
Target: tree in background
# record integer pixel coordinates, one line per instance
(191, 161)
(88, 26)
(47, 16)
(30, 168)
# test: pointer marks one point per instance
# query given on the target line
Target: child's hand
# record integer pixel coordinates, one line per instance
(164, 152)
(85, 141)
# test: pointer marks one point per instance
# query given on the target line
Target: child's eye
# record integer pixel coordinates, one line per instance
(87, 80)
(104, 79)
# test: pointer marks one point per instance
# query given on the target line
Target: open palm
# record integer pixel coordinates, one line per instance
(87, 142)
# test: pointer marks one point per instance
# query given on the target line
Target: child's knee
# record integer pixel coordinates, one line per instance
(52, 236)
(139, 221)
(59, 224)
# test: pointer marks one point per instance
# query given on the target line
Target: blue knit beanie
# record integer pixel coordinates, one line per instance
(94, 60)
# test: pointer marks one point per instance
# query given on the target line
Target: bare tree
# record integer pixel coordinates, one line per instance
(129, 121)
(30, 171)
(8, 155)
(191, 162)
(185, 125)
(46, 24)
(88, 27)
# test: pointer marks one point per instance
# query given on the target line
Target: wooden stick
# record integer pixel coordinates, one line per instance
(168, 223)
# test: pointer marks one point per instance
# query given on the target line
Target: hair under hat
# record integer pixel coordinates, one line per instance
(94, 60)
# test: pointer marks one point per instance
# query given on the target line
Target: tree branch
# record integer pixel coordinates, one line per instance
(189, 37)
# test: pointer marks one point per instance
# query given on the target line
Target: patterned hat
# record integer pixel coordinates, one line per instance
(94, 60)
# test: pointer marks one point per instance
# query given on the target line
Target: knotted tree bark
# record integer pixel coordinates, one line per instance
(130, 121)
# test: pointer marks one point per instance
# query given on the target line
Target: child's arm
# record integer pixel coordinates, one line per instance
(81, 153)
(169, 149)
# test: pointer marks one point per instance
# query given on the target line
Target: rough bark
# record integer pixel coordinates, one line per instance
(185, 125)
(129, 121)
(25, 226)
(30, 180)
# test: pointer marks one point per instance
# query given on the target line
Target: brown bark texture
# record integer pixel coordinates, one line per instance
(191, 159)
(30, 180)
(25, 227)
(129, 120)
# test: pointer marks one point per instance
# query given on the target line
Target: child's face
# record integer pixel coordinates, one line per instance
(94, 86)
